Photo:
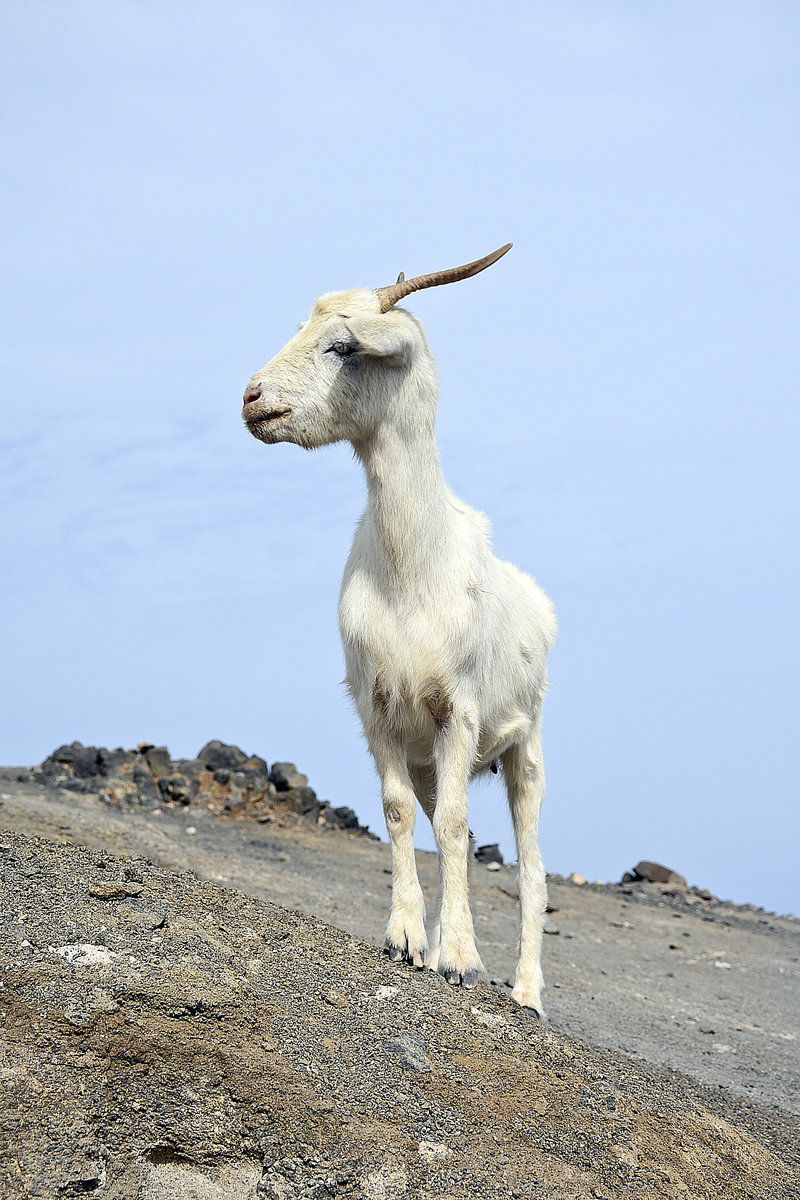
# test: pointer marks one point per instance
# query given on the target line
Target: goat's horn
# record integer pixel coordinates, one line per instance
(390, 295)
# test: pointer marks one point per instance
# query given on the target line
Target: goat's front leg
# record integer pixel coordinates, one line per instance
(457, 958)
(405, 933)
(524, 775)
(424, 781)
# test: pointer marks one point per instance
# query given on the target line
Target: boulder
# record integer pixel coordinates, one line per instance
(345, 818)
(653, 872)
(285, 775)
(177, 789)
(149, 795)
(217, 755)
(159, 761)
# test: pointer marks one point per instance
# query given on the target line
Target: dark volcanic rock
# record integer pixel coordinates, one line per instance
(489, 854)
(158, 761)
(149, 795)
(301, 800)
(115, 760)
(286, 776)
(178, 789)
(345, 817)
(217, 755)
(222, 779)
(86, 762)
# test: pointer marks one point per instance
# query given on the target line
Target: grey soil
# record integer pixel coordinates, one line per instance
(227, 1047)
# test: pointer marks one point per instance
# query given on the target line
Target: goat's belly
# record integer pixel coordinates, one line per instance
(413, 713)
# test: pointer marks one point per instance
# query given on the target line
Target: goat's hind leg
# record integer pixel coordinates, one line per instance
(405, 932)
(524, 775)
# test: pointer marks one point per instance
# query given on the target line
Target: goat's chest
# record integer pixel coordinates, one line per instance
(404, 654)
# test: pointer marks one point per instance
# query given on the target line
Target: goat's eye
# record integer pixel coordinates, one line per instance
(342, 349)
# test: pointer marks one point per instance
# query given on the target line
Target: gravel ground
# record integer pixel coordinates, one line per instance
(166, 1038)
(700, 993)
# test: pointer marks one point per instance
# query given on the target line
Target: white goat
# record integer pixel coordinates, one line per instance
(445, 644)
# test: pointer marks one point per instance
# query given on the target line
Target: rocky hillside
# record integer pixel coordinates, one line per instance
(165, 1037)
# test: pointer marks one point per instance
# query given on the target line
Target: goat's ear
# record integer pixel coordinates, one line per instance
(381, 337)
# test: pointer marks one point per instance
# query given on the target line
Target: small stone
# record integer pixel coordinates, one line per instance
(107, 891)
(489, 854)
(146, 918)
(83, 954)
(116, 890)
(434, 1151)
(492, 866)
(409, 1048)
(576, 877)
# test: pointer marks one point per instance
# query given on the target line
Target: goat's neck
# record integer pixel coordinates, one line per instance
(407, 507)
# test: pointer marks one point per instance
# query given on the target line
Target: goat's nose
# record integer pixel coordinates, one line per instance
(252, 392)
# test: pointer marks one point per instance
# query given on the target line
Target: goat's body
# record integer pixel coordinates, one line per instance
(445, 645)
(476, 631)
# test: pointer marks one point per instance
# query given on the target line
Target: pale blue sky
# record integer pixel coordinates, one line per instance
(619, 394)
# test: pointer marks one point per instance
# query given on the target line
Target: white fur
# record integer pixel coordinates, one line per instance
(445, 644)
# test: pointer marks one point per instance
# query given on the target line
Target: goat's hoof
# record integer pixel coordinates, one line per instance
(414, 956)
(538, 1014)
(467, 979)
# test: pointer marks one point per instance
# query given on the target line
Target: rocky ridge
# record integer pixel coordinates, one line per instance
(222, 779)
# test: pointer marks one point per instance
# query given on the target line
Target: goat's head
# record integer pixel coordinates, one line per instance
(339, 375)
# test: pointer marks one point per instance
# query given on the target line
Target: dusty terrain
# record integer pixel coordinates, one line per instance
(214, 1043)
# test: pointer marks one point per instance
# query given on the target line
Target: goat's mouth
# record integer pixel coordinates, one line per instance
(266, 424)
(255, 416)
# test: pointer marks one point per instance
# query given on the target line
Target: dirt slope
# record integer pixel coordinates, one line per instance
(207, 1045)
(166, 1037)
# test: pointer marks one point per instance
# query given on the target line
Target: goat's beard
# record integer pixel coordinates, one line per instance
(267, 431)
(273, 431)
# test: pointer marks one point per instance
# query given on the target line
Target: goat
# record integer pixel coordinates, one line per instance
(445, 644)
